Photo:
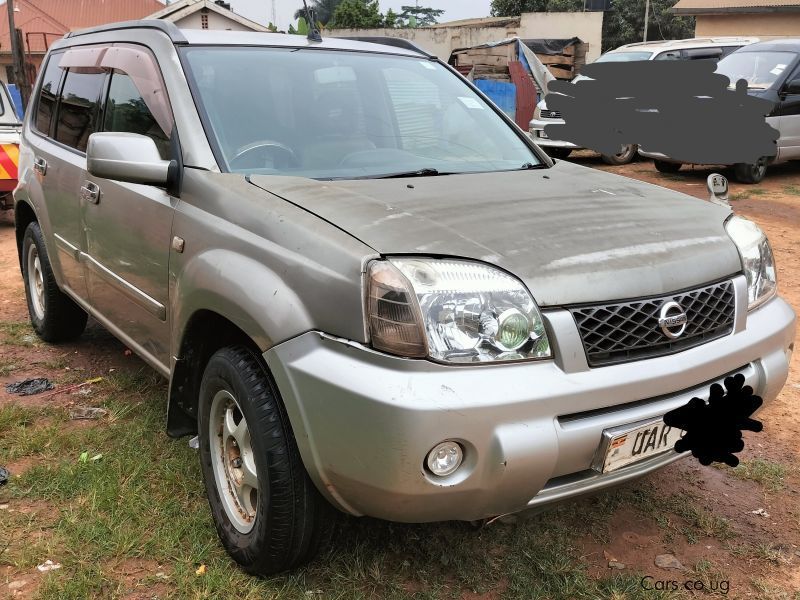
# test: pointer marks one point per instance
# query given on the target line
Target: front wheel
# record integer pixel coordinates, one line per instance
(664, 166)
(267, 512)
(751, 173)
(625, 155)
(54, 315)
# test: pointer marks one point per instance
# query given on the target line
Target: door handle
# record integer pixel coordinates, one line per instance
(40, 165)
(90, 192)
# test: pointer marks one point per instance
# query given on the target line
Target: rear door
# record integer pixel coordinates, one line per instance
(67, 111)
(128, 226)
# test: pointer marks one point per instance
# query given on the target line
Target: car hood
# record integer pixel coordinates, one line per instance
(571, 233)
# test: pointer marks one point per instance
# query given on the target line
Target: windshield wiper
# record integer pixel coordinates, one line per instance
(527, 166)
(424, 172)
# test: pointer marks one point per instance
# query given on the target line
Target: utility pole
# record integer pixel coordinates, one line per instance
(20, 73)
(646, 14)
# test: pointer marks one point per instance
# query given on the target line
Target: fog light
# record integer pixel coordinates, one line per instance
(513, 331)
(445, 458)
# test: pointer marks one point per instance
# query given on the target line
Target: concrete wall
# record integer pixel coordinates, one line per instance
(215, 21)
(441, 41)
(763, 25)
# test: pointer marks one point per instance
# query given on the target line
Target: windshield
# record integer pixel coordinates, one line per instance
(343, 115)
(759, 69)
(624, 56)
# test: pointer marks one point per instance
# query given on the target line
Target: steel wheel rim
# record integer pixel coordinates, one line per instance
(36, 282)
(233, 461)
(625, 151)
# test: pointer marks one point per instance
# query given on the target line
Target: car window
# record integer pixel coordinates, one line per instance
(761, 69)
(624, 56)
(341, 115)
(48, 94)
(78, 108)
(669, 55)
(127, 111)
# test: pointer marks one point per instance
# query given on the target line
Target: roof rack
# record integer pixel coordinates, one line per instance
(167, 27)
(390, 41)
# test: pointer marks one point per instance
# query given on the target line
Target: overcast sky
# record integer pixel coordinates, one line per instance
(261, 10)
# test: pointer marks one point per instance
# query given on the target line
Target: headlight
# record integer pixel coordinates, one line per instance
(453, 311)
(757, 260)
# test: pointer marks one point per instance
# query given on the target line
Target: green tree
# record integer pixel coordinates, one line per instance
(390, 21)
(323, 10)
(420, 16)
(357, 14)
(623, 23)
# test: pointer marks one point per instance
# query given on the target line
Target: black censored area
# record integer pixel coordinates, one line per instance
(714, 429)
(681, 109)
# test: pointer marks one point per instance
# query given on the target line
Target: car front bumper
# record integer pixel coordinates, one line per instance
(536, 129)
(365, 421)
(657, 156)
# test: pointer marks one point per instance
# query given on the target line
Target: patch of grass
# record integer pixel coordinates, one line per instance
(18, 334)
(693, 520)
(767, 473)
(7, 367)
(791, 190)
(714, 580)
(747, 193)
(774, 592)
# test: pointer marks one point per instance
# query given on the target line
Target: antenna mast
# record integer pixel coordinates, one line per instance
(313, 33)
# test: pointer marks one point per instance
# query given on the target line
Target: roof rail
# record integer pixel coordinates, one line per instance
(167, 27)
(390, 41)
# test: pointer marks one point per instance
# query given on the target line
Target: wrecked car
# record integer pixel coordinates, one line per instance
(370, 291)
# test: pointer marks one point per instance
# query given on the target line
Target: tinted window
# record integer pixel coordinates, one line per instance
(46, 105)
(624, 56)
(77, 112)
(127, 111)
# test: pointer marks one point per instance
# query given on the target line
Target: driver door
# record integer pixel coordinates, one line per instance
(129, 226)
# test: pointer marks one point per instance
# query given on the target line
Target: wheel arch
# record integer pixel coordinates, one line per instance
(24, 215)
(205, 332)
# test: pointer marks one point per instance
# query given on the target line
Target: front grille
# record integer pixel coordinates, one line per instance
(627, 331)
(550, 114)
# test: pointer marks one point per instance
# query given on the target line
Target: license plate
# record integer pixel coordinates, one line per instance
(622, 446)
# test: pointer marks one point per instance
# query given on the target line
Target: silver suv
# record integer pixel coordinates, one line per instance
(368, 288)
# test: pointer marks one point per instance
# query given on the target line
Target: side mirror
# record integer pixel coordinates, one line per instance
(792, 87)
(128, 157)
(718, 187)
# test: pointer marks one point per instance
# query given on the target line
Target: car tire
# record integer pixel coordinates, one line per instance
(54, 316)
(751, 173)
(267, 511)
(558, 153)
(626, 155)
(663, 166)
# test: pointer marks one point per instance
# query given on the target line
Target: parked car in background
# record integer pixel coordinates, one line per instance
(689, 49)
(10, 128)
(772, 71)
(390, 303)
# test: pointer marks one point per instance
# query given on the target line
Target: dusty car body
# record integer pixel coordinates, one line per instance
(345, 325)
(713, 48)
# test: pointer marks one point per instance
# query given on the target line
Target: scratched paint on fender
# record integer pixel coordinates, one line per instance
(682, 109)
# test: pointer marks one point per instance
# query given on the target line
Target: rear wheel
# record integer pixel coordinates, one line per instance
(267, 512)
(751, 173)
(625, 155)
(560, 153)
(663, 166)
(54, 315)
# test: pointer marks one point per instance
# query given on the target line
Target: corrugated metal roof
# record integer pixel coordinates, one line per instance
(721, 6)
(57, 17)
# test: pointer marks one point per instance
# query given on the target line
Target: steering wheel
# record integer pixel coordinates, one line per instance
(242, 151)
